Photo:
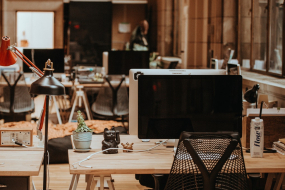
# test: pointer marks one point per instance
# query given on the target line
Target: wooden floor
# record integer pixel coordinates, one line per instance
(60, 180)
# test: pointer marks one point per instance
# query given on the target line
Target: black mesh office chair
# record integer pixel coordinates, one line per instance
(15, 99)
(208, 161)
(112, 101)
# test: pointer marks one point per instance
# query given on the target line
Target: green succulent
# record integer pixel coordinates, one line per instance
(81, 126)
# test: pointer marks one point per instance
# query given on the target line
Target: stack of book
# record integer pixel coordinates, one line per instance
(279, 146)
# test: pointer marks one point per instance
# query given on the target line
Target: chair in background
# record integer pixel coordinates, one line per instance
(208, 161)
(173, 64)
(16, 101)
(112, 101)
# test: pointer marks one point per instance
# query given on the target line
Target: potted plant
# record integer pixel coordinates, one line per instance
(82, 136)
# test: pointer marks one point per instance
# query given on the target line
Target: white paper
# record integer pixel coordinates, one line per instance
(124, 27)
(266, 112)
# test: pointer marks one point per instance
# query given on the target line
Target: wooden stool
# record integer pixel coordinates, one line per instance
(80, 94)
(92, 182)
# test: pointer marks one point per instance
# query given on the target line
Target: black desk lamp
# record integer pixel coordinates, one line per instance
(251, 95)
(47, 85)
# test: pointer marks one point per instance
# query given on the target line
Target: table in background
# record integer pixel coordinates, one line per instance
(157, 161)
(86, 85)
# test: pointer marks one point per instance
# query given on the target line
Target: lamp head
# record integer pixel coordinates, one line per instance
(251, 94)
(47, 84)
(7, 57)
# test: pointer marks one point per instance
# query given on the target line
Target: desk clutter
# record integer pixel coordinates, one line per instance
(16, 137)
(111, 140)
(279, 146)
(86, 75)
(82, 136)
(61, 130)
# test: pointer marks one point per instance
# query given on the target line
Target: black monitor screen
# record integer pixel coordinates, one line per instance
(120, 62)
(168, 105)
(40, 56)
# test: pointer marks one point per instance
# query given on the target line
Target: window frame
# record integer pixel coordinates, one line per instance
(268, 40)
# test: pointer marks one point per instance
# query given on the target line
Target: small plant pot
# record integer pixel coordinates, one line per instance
(82, 140)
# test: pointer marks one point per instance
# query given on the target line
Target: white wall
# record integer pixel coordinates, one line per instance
(37, 28)
(10, 7)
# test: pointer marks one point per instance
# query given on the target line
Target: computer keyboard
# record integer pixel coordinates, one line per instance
(89, 81)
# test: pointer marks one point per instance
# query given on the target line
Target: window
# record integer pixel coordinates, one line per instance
(35, 29)
(261, 36)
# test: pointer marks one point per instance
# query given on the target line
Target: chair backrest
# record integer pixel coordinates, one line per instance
(173, 64)
(14, 93)
(112, 99)
(208, 161)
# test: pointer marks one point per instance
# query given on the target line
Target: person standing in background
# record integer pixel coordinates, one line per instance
(138, 40)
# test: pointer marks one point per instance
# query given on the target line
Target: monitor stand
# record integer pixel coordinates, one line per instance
(172, 143)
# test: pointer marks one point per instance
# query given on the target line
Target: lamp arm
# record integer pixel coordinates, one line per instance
(36, 70)
(41, 119)
(25, 59)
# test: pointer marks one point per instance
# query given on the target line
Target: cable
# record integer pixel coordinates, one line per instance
(18, 143)
(87, 158)
(48, 171)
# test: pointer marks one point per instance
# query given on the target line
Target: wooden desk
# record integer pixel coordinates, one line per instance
(156, 161)
(271, 163)
(19, 166)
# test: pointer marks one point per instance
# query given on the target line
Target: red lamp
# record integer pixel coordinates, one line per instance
(7, 57)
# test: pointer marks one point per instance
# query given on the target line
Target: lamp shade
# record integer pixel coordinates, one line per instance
(251, 94)
(47, 84)
(7, 57)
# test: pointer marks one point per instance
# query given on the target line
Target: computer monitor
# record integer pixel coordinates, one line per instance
(120, 62)
(40, 56)
(133, 87)
(170, 104)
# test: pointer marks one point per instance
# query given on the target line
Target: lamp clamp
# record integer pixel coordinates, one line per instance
(48, 66)
(12, 47)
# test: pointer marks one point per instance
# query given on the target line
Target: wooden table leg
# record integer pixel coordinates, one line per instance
(102, 182)
(279, 180)
(282, 181)
(74, 181)
(269, 180)
(33, 185)
(110, 184)
(88, 179)
(93, 183)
